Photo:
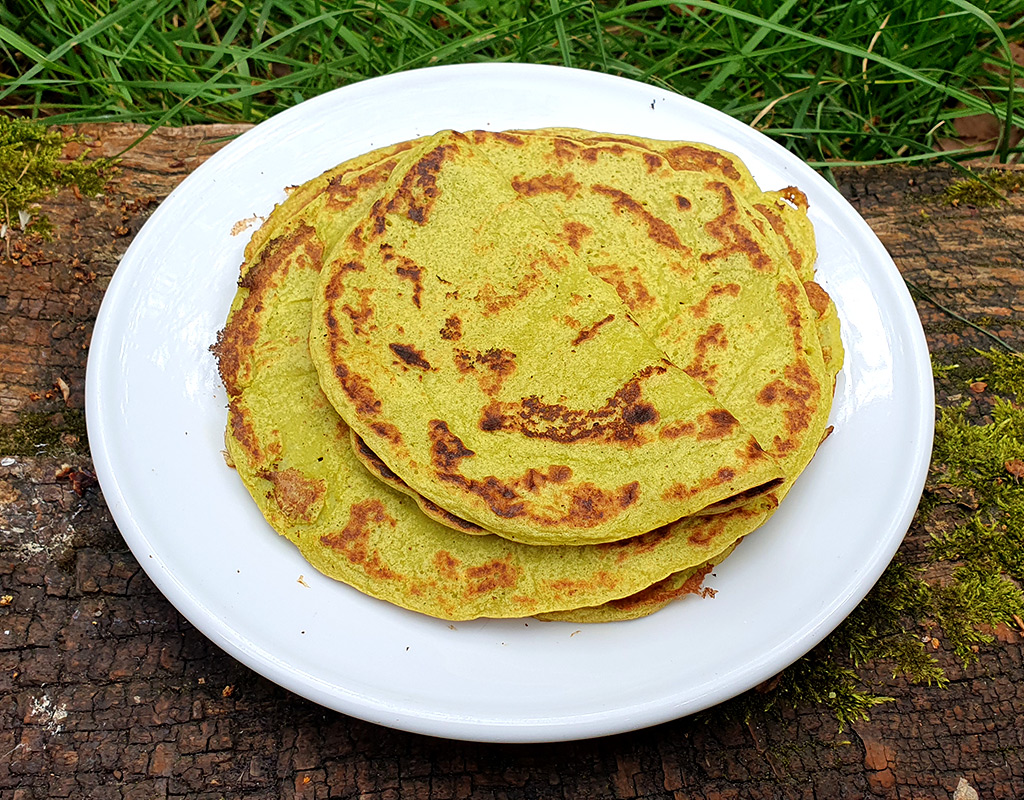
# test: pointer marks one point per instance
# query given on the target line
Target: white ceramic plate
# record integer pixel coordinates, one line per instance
(156, 414)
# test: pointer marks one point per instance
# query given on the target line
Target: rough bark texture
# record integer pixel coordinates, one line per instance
(107, 692)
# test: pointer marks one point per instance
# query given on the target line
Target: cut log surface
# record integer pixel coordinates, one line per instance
(107, 692)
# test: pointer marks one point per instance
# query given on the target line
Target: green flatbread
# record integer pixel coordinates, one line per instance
(500, 379)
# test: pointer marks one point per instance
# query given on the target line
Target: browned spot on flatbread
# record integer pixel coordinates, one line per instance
(677, 429)
(494, 575)
(817, 297)
(700, 369)
(779, 226)
(494, 303)
(491, 368)
(657, 229)
(355, 240)
(418, 192)
(452, 330)
(344, 190)
(664, 591)
(361, 316)
(243, 432)
(716, 424)
(236, 343)
(353, 541)
(687, 158)
(619, 420)
(700, 310)
(358, 388)
(480, 137)
(587, 505)
(566, 150)
(568, 588)
(387, 431)
(789, 300)
(410, 355)
(682, 492)
(447, 565)
(728, 229)
(299, 497)
(799, 393)
(628, 283)
(589, 333)
(547, 184)
(652, 161)
(683, 203)
(414, 274)
(574, 233)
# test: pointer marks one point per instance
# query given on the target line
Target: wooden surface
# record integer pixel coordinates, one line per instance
(107, 692)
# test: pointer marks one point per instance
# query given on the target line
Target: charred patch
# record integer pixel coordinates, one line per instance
(410, 355)
(682, 203)
(299, 498)
(687, 158)
(242, 431)
(716, 424)
(657, 229)
(735, 239)
(344, 190)
(418, 192)
(452, 330)
(789, 301)
(566, 185)
(536, 479)
(414, 274)
(492, 367)
(353, 541)
(700, 310)
(358, 389)
(355, 240)
(446, 449)
(591, 332)
(574, 233)
(630, 548)
(652, 161)
(387, 431)
(618, 420)
(628, 283)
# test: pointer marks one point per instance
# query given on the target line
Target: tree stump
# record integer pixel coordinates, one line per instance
(109, 693)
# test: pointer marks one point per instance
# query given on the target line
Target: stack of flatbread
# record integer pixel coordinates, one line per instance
(547, 373)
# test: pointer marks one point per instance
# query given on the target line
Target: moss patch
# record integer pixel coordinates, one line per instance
(55, 434)
(968, 579)
(31, 169)
(988, 189)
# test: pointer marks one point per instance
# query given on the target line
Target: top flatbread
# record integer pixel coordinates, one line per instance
(489, 369)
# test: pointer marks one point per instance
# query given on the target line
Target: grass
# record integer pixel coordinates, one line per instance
(833, 81)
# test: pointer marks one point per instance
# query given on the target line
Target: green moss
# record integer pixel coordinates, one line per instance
(31, 169)
(986, 190)
(971, 576)
(39, 432)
